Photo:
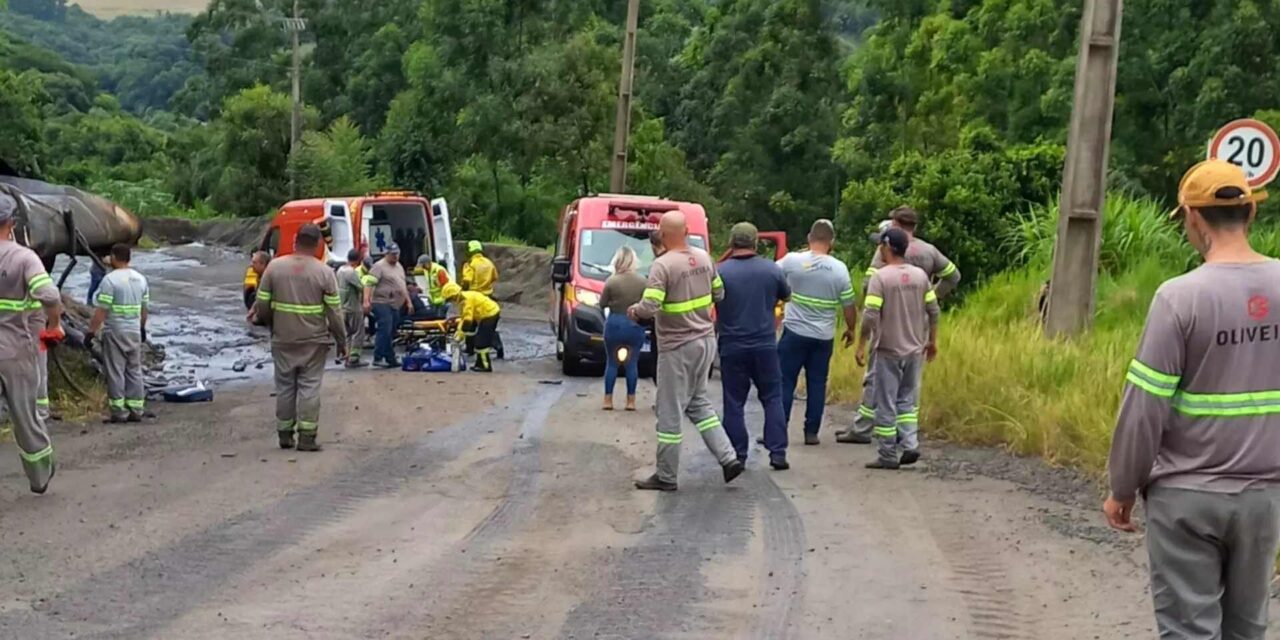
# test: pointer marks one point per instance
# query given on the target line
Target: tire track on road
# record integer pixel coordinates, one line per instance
(142, 595)
(656, 588)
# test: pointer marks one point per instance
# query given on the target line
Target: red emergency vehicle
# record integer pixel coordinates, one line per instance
(591, 231)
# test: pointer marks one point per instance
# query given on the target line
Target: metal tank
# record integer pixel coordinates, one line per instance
(45, 228)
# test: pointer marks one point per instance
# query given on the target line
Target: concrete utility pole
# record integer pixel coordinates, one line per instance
(1072, 290)
(295, 27)
(622, 125)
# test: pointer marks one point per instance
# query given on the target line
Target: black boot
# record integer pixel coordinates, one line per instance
(733, 470)
(307, 442)
(286, 439)
(652, 483)
(53, 469)
(849, 437)
(909, 458)
(482, 364)
(883, 464)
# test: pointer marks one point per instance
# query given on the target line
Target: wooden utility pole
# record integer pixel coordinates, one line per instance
(1072, 289)
(622, 124)
(295, 27)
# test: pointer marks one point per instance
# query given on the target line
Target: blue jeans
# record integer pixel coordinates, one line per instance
(387, 318)
(737, 372)
(797, 352)
(620, 331)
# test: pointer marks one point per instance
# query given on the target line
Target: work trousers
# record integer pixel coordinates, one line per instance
(682, 393)
(897, 385)
(42, 386)
(126, 392)
(486, 339)
(620, 331)
(387, 318)
(738, 371)
(865, 422)
(18, 384)
(796, 352)
(354, 321)
(299, 374)
(1212, 560)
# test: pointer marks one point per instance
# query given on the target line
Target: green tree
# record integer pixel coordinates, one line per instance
(22, 141)
(252, 151)
(334, 162)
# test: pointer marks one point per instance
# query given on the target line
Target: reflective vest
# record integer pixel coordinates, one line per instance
(435, 283)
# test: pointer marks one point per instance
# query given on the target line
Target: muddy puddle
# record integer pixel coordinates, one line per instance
(197, 316)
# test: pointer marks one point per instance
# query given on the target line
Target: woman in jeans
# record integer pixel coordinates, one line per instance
(623, 289)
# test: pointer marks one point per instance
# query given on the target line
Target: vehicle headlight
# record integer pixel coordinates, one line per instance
(586, 297)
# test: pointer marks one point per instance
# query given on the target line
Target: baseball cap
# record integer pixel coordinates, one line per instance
(1200, 186)
(880, 229)
(424, 259)
(744, 235)
(897, 240)
(393, 248)
(8, 207)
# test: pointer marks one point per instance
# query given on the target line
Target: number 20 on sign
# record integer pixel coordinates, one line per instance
(1251, 145)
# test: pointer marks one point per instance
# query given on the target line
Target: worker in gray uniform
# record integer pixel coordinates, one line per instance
(941, 271)
(122, 303)
(298, 299)
(351, 295)
(1198, 434)
(23, 283)
(682, 290)
(902, 317)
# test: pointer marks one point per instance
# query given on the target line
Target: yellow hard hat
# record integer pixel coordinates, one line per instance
(451, 290)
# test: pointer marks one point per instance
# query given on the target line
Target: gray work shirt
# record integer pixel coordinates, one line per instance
(927, 257)
(123, 294)
(1201, 406)
(820, 287)
(24, 286)
(901, 310)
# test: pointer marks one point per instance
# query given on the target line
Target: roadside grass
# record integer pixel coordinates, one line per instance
(999, 382)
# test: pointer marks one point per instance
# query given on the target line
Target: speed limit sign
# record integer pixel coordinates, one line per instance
(1251, 145)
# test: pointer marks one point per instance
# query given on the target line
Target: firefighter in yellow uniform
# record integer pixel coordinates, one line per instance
(478, 274)
(480, 313)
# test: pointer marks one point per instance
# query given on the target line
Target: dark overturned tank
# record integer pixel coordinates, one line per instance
(51, 217)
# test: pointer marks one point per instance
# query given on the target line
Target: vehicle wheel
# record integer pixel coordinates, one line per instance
(573, 365)
(560, 340)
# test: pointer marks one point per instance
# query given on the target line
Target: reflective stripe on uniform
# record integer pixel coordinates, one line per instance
(307, 427)
(127, 310)
(909, 418)
(931, 296)
(32, 458)
(866, 412)
(116, 403)
(42, 402)
(299, 309)
(284, 425)
(1156, 383)
(817, 303)
(264, 296)
(872, 271)
(875, 302)
(656, 295)
(670, 438)
(369, 280)
(709, 423)
(106, 299)
(135, 404)
(717, 283)
(887, 432)
(333, 301)
(12, 305)
(846, 296)
(39, 281)
(1227, 405)
(688, 306)
(947, 270)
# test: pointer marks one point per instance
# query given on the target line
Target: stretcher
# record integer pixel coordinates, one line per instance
(436, 334)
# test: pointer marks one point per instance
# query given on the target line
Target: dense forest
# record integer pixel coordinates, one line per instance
(777, 111)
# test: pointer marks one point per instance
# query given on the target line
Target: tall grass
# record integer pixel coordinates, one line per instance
(999, 381)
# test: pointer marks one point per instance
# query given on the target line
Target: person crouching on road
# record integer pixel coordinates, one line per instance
(432, 277)
(23, 285)
(902, 314)
(482, 314)
(1198, 434)
(122, 304)
(753, 286)
(351, 295)
(298, 299)
(682, 289)
(623, 337)
(820, 289)
(386, 295)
